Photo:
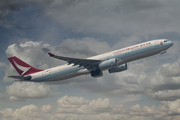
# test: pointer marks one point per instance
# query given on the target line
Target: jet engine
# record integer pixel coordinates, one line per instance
(96, 73)
(107, 64)
(118, 68)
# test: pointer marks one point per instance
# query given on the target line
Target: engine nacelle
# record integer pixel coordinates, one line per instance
(118, 68)
(107, 64)
(96, 73)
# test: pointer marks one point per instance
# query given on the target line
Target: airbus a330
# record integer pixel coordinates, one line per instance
(115, 61)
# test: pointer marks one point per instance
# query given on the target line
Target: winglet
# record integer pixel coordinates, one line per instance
(51, 55)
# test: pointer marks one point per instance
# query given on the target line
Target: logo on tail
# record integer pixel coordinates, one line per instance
(21, 67)
(24, 69)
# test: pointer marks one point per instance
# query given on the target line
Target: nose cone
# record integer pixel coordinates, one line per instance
(171, 43)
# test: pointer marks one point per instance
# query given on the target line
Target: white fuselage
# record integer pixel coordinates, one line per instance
(124, 55)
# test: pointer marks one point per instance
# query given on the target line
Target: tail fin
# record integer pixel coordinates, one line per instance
(21, 67)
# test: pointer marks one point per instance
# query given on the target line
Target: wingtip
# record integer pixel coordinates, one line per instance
(51, 55)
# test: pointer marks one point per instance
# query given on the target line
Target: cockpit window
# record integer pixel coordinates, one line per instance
(165, 41)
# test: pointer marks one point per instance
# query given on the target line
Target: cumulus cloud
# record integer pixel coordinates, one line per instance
(70, 104)
(46, 50)
(96, 106)
(167, 95)
(27, 90)
(93, 109)
(27, 112)
(170, 70)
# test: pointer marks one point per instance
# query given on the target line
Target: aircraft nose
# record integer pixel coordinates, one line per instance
(171, 43)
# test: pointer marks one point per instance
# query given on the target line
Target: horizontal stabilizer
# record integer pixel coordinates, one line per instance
(21, 78)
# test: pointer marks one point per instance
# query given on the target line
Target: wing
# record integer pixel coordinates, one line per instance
(87, 63)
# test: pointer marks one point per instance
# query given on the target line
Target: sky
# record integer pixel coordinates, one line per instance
(149, 89)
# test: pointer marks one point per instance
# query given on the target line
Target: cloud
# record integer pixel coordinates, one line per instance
(72, 107)
(96, 106)
(170, 70)
(85, 47)
(27, 112)
(70, 104)
(82, 106)
(46, 50)
(116, 17)
(27, 90)
(46, 108)
(173, 107)
(167, 95)
(8, 6)
(70, 47)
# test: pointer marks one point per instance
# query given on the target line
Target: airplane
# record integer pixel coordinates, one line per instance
(114, 61)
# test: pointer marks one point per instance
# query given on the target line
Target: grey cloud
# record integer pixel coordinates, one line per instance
(167, 95)
(69, 48)
(109, 17)
(137, 5)
(115, 16)
(6, 6)
(130, 80)
(170, 70)
(107, 84)
(166, 85)
(45, 50)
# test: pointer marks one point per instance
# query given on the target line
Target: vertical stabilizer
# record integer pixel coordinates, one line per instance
(21, 67)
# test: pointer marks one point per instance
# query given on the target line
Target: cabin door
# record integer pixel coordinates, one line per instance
(47, 72)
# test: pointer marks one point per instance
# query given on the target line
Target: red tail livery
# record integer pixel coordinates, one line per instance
(21, 67)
